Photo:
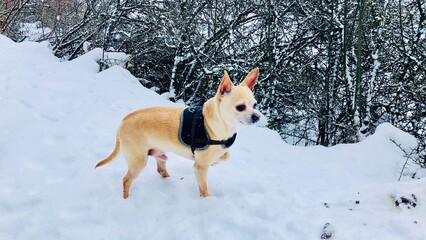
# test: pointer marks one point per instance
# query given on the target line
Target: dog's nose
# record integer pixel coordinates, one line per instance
(254, 118)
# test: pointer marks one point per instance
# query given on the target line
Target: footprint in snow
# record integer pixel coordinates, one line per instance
(26, 104)
(327, 231)
(408, 202)
(49, 118)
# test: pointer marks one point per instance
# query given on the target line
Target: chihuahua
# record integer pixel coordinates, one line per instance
(155, 131)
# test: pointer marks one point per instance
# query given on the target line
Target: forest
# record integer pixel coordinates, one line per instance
(330, 71)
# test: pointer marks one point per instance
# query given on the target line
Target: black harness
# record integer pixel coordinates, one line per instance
(192, 131)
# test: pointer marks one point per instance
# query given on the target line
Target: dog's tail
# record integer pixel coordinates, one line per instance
(112, 155)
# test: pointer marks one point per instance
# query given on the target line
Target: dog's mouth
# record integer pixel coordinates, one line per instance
(246, 123)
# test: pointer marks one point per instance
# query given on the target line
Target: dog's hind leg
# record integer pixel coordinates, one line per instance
(161, 158)
(136, 161)
(161, 166)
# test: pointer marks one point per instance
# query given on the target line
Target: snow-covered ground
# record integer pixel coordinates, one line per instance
(58, 119)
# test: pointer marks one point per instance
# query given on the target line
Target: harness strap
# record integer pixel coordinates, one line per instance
(227, 143)
(193, 129)
(198, 134)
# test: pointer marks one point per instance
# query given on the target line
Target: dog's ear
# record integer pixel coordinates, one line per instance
(226, 85)
(251, 79)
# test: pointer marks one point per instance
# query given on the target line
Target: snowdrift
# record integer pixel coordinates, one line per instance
(58, 119)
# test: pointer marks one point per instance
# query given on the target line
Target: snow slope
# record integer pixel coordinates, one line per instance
(58, 119)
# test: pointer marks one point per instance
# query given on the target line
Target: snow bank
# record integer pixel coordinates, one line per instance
(58, 119)
(387, 131)
(90, 60)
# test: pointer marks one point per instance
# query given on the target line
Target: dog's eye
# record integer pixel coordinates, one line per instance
(241, 107)
(255, 105)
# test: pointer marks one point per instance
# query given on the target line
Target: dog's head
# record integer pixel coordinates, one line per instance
(237, 103)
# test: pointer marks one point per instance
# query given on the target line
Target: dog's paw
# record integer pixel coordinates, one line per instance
(204, 194)
(125, 195)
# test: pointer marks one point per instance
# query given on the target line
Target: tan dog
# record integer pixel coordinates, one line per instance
(154, 131)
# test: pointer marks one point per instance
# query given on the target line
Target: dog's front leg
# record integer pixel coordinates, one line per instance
(224, 157)
(201, 168)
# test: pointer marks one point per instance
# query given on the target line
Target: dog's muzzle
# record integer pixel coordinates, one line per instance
(255, 118)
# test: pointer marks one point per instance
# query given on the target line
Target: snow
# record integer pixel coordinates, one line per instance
(58, 119)
(33, 31)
